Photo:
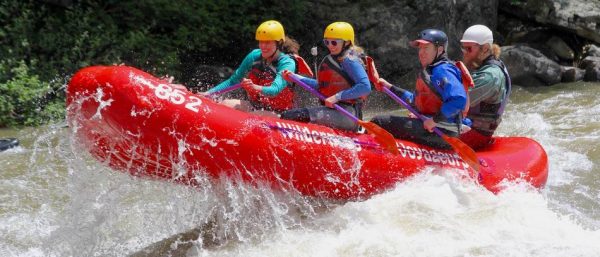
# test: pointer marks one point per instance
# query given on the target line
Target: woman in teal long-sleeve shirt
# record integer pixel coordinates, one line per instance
(260, 72)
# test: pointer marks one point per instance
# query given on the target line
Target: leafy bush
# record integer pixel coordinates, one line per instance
(41, 44)
(23, 99)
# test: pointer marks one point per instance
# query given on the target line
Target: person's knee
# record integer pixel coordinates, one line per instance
(382, 120)
(377, 120)
(449, 133)
(301, 115)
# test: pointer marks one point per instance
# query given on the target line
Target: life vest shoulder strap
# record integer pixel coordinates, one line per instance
(493, 61)
(466, 80)
(260, 64)
(425, 76)
(335, 66)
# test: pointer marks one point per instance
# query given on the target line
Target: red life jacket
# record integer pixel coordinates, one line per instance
(302, 67)
(333, 79)
(263, 74)
(429, 101)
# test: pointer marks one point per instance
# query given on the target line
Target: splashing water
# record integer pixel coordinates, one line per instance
(56, 200)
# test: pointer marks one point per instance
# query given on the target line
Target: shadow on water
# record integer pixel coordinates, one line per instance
(242, 219)
(180, 244)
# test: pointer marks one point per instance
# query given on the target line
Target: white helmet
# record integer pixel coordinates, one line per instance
(479, 34)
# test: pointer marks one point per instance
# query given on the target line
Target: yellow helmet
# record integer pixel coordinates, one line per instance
(270, 30)
(341, 30)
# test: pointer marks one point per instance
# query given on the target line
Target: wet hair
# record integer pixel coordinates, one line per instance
(290, 46)
(496, 50)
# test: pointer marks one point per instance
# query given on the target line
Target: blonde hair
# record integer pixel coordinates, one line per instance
(354, 52)
(357, 49)
(496, 50)
(290, 46)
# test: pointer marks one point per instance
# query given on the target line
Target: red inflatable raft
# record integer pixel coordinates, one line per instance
(137, 123)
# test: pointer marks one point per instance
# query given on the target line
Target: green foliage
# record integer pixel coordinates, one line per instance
(23, 99)
(45, 42)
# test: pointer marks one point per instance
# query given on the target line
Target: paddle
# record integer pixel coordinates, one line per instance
(464, 151)
(225, 90)
(382, 136)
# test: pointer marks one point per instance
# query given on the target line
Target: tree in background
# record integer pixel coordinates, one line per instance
(42, 43)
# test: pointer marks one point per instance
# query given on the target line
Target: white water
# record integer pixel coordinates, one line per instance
(55, 200)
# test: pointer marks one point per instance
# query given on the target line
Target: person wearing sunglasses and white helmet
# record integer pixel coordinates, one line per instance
(492, 85)
(341, 78)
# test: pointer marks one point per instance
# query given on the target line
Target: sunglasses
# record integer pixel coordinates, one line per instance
(333, 42)
(468, 49)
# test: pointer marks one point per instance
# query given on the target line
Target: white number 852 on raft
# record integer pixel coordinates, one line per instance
(172, 93)
(177, 96)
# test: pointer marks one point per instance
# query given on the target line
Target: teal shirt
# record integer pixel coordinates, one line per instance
(490, 86)
(284, 62)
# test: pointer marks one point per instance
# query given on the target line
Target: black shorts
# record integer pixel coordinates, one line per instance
(326, 116)
(412, 129)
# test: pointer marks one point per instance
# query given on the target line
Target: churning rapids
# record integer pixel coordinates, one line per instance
(56, 200)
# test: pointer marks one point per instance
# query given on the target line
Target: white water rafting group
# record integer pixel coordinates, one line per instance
(149, 127)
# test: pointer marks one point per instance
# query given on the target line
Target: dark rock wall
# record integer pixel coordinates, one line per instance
(384, 28)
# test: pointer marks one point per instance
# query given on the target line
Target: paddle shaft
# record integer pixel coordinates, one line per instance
(407, 106)
(382, 136)
(296, 80)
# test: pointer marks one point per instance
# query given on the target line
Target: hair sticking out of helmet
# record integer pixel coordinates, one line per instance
(270, 30)
(340, 30)
(479, 34)
(433, 36)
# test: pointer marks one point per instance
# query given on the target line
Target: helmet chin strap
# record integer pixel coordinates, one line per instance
(344, 49)
(437, 55)
(274, 53)
(270, 58)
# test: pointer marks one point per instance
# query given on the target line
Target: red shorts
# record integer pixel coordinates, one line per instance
(475, 139)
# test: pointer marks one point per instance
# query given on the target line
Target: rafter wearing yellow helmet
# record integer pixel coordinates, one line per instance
(259, 74)
(270, 30)
(341, 78)
(340, 30)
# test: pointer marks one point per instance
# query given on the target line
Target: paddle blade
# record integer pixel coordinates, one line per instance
(464, 151)
(382, 136)
(372, 71)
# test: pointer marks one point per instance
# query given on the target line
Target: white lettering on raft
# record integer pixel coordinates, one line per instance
(431, 156)
(304, 134)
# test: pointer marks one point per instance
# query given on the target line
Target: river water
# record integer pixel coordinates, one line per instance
(56, 200)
